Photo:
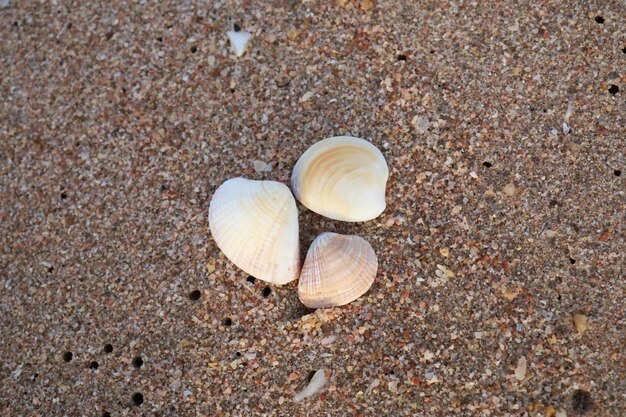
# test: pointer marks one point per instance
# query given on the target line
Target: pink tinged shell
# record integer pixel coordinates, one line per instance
(337, 270)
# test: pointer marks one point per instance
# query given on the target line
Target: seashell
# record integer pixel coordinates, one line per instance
(255, 224)
(343, 178)
(315, 385)
(337, 270)
(238, 40)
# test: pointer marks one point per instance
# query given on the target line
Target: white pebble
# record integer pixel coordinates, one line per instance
(329, 340)
(566, 128)
(259, 166)
(306, 97)
(17, 372)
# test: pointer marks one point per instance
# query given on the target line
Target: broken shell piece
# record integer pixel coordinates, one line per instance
(566, 128)
(569, 112)
(337, 270)
(520, 370)
(343, 178)
(580, 322)
(318, 382)
(255, 224)
(238, 41)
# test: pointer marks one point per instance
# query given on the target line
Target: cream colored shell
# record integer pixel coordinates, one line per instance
(343, 178)
(337, 270)
(255, 224)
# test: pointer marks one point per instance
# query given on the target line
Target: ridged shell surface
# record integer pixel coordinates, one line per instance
(255, 224)
(337, 270)
(343, 178)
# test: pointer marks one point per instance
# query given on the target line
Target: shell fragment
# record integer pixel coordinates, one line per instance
(318, 382)
(239, 41)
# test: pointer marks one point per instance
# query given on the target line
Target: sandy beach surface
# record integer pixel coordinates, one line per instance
(500, 289)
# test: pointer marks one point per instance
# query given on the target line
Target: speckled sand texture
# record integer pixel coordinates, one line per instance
(500, 290)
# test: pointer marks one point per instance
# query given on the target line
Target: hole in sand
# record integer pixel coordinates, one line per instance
(137, 362)
(267, 291)
(137, 398)
(581, 401)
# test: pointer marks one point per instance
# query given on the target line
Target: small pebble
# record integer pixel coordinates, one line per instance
(261, 166)
(566, 128)
(509, 190)
(421, 124)
(328, 340)
(375, 383)
(17, 372)
(580, 322)
(306, 97)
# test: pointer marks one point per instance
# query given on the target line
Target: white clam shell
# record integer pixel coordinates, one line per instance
(337, 270)
(343, 178)
(255, 224)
